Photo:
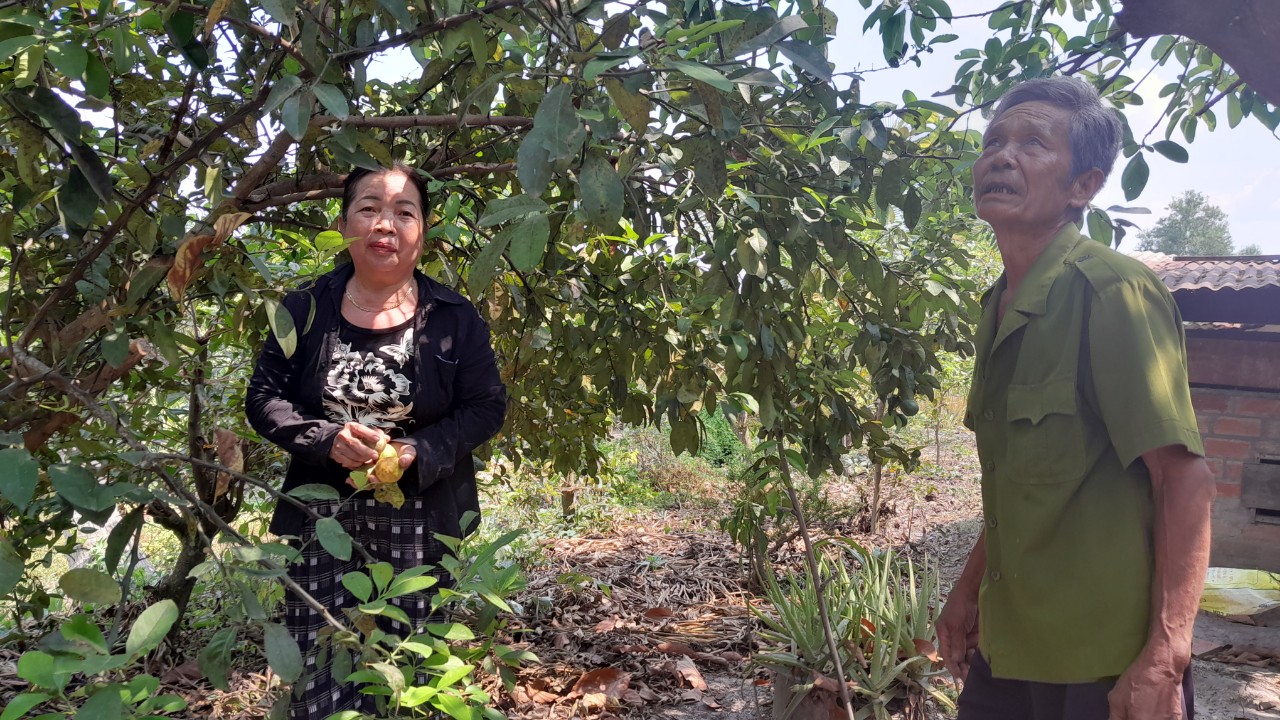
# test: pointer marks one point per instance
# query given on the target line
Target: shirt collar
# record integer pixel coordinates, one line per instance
(1032, 297)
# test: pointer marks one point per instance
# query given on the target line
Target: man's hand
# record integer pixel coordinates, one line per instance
(958, 631)
(353, 446)
(1148, 690)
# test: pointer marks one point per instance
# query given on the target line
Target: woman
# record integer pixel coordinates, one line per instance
(389, 354)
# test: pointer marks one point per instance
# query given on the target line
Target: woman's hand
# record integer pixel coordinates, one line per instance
(353, 446)
(407, 453)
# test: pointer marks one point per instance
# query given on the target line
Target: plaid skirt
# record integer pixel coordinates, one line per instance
(400, 537)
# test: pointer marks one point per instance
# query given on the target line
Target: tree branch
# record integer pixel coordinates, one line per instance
(411, 121)
(423, 31)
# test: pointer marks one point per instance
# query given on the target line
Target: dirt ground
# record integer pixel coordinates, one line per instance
(655, 611)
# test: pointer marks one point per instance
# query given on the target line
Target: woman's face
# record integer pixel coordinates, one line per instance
(385, 225)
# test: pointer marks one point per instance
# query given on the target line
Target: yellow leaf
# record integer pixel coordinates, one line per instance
(186, 263)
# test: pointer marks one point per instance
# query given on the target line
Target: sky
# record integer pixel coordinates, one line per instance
(1237, 169)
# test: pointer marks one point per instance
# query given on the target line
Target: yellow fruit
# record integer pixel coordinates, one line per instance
(387, 468)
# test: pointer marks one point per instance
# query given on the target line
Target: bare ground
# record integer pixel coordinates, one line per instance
(652, 617)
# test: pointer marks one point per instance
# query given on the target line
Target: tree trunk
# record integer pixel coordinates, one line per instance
(1245, 33)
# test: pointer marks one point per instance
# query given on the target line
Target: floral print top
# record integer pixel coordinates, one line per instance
(370, 378)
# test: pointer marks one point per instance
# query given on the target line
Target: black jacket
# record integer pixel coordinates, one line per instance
(459, 400)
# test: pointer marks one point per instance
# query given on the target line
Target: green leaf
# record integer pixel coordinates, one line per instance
(527, 241)
(282, 11)
(105, 704)
(20, 704)
(70, 59)
(1171, 150)
(79, 488)
(115, 347)
(333, 538)
(455, 632)
(282, 326)
(76, 200)
(400, 11)
(1134, 178)
(37, 668)
(314, 491)
(874, 131)
(708, 75)
(82, 629)
(1100, 228)
(784, 27)
(295, 113)
(359, 585)
(282, 651)
(284, 88)
(486, 263)
(87, 585)
(56, 113)
(19, 475)
(382, 573)
(11, 567)
(559, 123)
(144, 281)
(600, 191)
(501, 210)
(97, 79)
(807, 58)
(15, 45)
(150, 628)
(120, 536)
(215, 658)
(329, 240)
(332, 99)
(533, 165)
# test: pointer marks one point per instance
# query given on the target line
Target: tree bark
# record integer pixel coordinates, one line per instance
(1244, 33)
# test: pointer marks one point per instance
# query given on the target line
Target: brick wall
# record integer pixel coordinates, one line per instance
(1239, 427)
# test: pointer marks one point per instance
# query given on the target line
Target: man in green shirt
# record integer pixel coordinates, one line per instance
(1078, 600)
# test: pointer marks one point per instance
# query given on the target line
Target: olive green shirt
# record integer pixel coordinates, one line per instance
(1086, 373)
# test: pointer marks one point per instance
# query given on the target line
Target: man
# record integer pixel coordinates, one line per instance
(1078, 600)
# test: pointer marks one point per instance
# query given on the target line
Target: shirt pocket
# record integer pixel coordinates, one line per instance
(1046, 442)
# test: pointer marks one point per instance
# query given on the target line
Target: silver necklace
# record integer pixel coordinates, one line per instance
(399, 300)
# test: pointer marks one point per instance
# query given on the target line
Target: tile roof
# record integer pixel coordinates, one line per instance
(1234, 289)
(1236, 272)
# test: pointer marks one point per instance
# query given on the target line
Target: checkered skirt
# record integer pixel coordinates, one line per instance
(401, 537)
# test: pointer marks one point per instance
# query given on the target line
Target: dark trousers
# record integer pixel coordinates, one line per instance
(988, 698)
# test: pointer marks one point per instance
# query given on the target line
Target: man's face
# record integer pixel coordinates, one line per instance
(1022, 180)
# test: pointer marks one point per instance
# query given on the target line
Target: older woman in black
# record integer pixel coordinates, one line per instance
(384, 354)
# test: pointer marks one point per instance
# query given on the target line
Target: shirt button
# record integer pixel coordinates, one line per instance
(992, 523)
(989, 466)
(995, 575)
(988, 415)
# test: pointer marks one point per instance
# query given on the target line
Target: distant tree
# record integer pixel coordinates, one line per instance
(1193, 226)
(1250, 249)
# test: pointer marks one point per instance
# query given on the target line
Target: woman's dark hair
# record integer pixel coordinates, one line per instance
(355, 176)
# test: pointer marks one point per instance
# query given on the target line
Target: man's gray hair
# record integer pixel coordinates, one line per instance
(1095, 129)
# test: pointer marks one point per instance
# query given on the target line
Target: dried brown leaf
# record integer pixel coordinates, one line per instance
(186, 263)
(227, 224)
(688, 674)
(658, 613)
(675, 648)
(606, 625)
(538, 691)
(926, 648)
(608, 681)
